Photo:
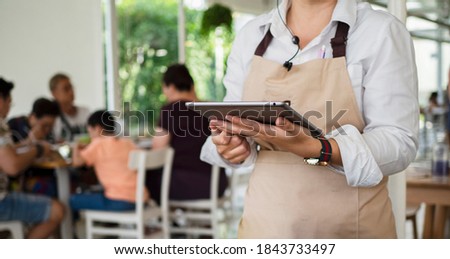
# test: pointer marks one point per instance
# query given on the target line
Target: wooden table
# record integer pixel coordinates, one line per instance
(61, 167)
(435, 193)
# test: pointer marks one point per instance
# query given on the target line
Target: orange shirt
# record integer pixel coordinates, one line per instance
(109, 156)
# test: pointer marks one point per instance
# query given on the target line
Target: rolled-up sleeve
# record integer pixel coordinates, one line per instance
(390, 109)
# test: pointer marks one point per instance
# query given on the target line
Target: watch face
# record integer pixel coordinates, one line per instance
(312, 161)
(315, 161)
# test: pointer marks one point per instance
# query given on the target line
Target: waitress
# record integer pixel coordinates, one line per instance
(353, 70)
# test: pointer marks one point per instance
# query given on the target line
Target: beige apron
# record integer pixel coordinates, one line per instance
(288, 199)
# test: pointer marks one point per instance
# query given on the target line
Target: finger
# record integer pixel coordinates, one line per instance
(214, 130)
(244, 127)
(240, 159)
(216, 127)
(229, 128)
(233, 142)
(237, 151)
(285, 124)
(221, 139)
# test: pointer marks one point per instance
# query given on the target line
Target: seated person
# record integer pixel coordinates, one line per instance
(70, 123)
(37, 126)
(185, 131)
(72, 120)
(41, 211)
(109, 156)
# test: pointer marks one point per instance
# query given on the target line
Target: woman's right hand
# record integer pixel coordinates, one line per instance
(233, 148)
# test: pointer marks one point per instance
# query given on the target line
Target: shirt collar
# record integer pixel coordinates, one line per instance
(345, 11)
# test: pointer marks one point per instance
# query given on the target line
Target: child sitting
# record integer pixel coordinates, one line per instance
(108, 155)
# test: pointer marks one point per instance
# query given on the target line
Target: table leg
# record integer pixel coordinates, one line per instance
(439, 221)
(428, 223)
(63, 178)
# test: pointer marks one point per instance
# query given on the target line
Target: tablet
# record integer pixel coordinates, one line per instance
(263, 112)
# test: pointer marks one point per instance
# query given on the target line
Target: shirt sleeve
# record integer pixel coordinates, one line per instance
(210, 155)
(90, 153)
(389, 141)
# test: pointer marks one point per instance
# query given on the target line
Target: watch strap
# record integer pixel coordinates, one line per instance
(325, 154)
(326, 151)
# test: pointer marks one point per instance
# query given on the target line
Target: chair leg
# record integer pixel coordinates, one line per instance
(414, 222)
(89, 227)
(17, 231)
(214, 224)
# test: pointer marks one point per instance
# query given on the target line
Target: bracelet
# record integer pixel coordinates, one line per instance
(325, 154)
(39, 150)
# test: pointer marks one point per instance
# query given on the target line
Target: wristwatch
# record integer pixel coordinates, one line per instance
(325, 154)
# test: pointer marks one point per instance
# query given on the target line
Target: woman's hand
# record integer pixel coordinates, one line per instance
(284, 134)
(233, 148)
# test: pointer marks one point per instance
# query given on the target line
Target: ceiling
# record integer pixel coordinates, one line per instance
(434, 12)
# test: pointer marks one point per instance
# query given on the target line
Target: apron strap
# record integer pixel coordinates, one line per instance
(264, 44)
(339, 42)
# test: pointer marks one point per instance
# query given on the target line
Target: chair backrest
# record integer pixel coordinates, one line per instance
(143, 160)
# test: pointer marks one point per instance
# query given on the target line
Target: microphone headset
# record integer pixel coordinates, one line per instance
(295, 40)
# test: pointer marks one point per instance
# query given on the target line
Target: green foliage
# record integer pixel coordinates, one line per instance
(200, 57)
(147, 32)
(147, 43)
(215, 16)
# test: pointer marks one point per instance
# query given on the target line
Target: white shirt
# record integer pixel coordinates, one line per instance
(78, 121)
(381, 65)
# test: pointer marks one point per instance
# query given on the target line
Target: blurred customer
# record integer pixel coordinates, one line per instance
(37, 126)
(70, 123)
(72, 120)
(185, 131)
(109, 156)
(44, 213)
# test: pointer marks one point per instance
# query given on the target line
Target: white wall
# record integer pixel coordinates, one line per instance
(40, 38)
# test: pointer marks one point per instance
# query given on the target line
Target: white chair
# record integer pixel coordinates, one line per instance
(411, 214)
(238, 185)
(15, 227)
(200, 217)
(132, 223)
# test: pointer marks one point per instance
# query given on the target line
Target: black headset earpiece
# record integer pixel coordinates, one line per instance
(288, 65)
(295, 40)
